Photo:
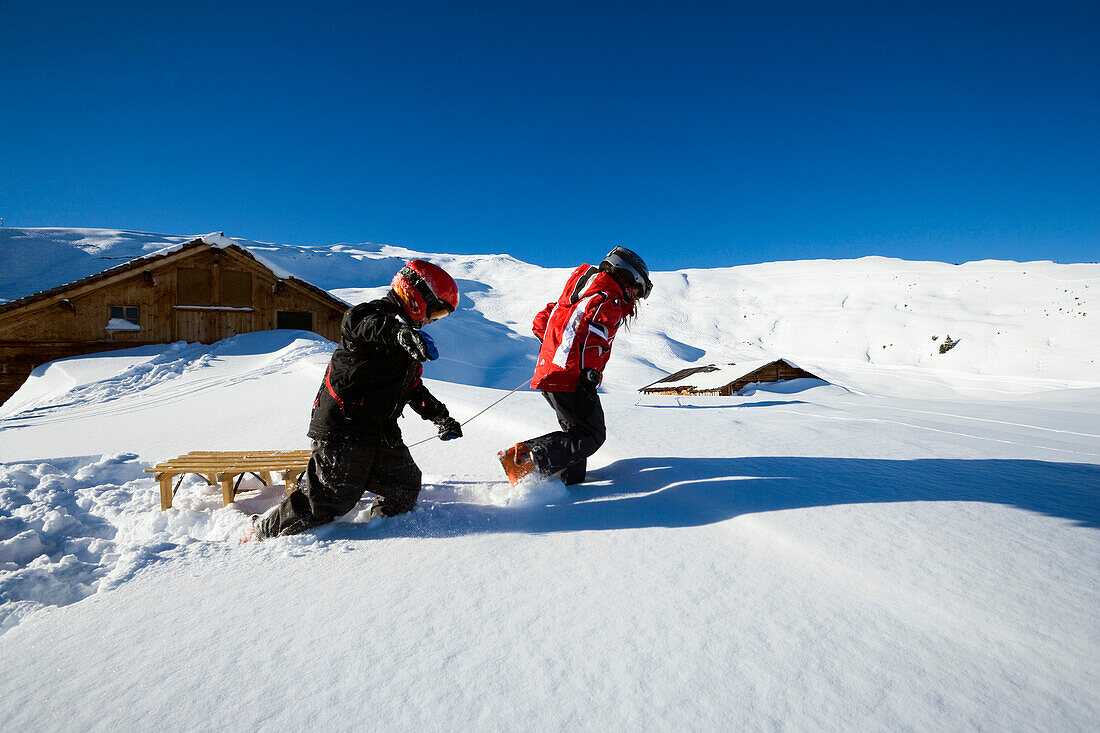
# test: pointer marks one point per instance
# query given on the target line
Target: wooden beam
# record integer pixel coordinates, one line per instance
(246, 452)
(165, 490)
(290, 477)
(255, 458)
(226, 480)
(204, 469)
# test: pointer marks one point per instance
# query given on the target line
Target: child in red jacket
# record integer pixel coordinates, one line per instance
(576, 334)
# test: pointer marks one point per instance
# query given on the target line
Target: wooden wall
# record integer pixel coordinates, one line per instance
(777, 371)
(74, 320)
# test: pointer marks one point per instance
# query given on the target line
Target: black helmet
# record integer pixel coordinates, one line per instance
(628, 265)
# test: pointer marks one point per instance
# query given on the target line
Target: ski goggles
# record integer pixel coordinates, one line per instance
(435, 314)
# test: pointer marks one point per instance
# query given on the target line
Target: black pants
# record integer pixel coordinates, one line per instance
(338, 475)
(564, 453)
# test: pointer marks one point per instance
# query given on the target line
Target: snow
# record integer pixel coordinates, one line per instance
(121, 324)
(217, 239)
(914, 545)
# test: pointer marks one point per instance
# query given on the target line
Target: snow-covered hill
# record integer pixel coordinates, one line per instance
(872, 324)
(913, 546)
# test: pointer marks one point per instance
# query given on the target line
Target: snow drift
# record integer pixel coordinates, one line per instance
(913, 546)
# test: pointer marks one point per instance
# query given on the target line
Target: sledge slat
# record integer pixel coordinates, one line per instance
(288, 451)
(212, 466)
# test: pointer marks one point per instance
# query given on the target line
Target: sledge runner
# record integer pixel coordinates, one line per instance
(374, 372)
(577, 332)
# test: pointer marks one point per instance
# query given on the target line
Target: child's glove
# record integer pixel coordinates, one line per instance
(449, 428)
(419, 345)
(589, 384)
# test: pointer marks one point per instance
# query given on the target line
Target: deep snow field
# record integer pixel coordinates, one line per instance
(910, 543)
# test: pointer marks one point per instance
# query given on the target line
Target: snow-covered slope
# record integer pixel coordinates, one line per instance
(913, 547)
(872, 324)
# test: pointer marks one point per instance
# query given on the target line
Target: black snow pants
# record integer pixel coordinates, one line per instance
(564, 453)
(339, 473)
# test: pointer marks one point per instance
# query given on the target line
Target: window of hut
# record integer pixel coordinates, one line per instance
(123, 318)
(296, 320)
(235, 289)
(194, 286)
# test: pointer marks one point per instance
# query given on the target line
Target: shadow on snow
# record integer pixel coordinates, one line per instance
(690, 492)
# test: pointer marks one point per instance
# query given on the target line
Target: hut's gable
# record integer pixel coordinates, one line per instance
(198, 292)
(725, 379)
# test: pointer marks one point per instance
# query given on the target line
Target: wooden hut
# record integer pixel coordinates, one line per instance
(725, 379)
(199, 291)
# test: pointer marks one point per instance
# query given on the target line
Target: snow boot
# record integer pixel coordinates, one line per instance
(517, 462)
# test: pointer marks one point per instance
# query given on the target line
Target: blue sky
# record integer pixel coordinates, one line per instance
(699, 134)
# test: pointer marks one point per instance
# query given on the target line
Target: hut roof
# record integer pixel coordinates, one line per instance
(712, 376)
(211, 241)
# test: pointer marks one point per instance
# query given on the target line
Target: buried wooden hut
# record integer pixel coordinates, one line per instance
(725, 379)
(199, 291)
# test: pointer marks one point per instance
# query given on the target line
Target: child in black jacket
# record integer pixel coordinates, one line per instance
(374, 372)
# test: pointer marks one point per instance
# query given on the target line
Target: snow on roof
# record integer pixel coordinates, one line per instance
(216, 240)
(715, 376)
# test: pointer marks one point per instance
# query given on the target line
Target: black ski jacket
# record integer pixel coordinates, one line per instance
(370, 379)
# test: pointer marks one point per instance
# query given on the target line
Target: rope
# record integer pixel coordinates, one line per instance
(471, 419)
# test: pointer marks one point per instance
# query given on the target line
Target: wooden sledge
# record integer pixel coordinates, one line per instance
(228, 468)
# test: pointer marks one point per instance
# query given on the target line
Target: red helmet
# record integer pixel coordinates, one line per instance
(425, 290)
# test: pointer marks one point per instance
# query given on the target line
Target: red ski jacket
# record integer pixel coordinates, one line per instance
(577, 331)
